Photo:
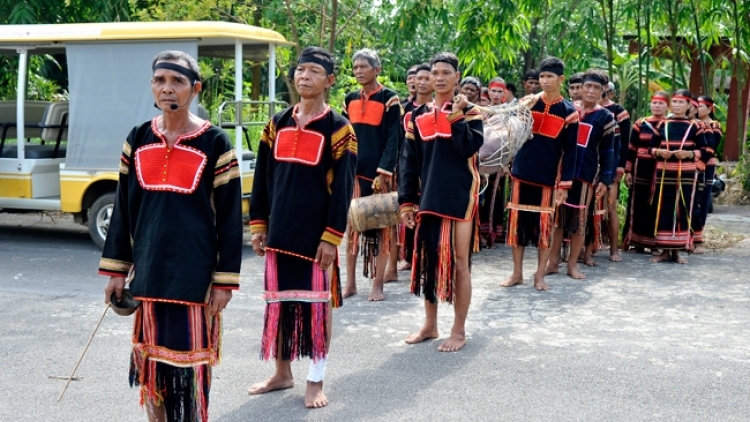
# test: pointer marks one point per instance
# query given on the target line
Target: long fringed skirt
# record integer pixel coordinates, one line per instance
(174, 347)
(572, 215)
(433, 271)
(641, 212)
(531, 215)
(297, 295)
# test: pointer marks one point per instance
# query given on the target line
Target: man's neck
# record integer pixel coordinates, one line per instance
(588, 106)
(311, 106)
(370, 87)
(550, 96)
(423, 98)
(441, 99)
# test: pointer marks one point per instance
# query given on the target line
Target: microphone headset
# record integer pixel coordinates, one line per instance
(186, 72)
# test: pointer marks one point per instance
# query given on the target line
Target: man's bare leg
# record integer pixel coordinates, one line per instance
(576, 243)
(391, 270)
(350, 288)
(554, 252)
(457, 339)
(517, 276)
(588, 255)
(541, 266)
(613, 223)
(155, 413)
(282, 379)
(314, 396)
(376, 294)
(429, 330)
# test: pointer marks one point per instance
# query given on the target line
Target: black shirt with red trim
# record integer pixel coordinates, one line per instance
(554, 138)
(596, 151)
(622, 132)
(640, 141)
(304, 179)
(177, 219)
(440, 162)
(376, 119)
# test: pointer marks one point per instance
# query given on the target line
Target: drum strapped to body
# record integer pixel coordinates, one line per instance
(376, 211)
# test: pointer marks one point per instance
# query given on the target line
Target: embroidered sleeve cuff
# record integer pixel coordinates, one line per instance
(628, 167)
(456, 116)
(332, 236)
(258, 226)
(697, 153)
(565, 184)
(406, 208)
(114, 267)
(386, 172)
(230, 281)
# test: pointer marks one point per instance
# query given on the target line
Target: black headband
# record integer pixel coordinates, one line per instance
(595, 79)
(556, 68)
(411, 72)
(453, 65)
(312, 58)
(192, 76)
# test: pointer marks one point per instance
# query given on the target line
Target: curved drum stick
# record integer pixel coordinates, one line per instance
(106, 308)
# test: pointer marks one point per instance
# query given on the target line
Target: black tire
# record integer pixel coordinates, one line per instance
(99, 216)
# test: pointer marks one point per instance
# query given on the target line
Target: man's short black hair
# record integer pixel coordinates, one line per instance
(421, 67)
(552, 64)
(445, 57)
(576, 78)
(531, 74)
(512, 88)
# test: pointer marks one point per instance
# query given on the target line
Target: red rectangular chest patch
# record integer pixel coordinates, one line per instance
(366, 112)
(548, 125)
(584, 134)
(432, 125)
(178, 169)
(299, 146)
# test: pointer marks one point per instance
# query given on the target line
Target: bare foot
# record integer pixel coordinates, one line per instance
(315, 397)
(661, 257)
(575, 273)
(454, 343)
(349, 290)
(390, 277)
(376, 294)
(276, 382)
(552, 268)
(539, 283)
(655, 252)
(422, 335)
(512, 280)
(589, 261)
(615, 257)
(677, 258)
(699, 250)
(404, 266)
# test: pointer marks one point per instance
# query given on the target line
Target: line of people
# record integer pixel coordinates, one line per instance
(176, 235)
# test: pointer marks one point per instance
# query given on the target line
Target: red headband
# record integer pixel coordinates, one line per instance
(694, 103)
(497, 85)
(682, 97)
(660, 98)
(706, 102)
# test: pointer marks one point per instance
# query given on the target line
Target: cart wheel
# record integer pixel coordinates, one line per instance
(99, 216)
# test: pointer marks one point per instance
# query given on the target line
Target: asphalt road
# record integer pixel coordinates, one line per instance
(634, 342)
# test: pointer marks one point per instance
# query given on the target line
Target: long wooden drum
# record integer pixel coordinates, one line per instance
(374, 212)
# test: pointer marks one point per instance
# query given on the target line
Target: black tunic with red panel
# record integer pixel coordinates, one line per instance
(439, 174)
(545, 161)
(638, 230)
(676, 181)
(302, 189)
(622, 132)
(376, 118)
(177, 216)
(594, 164)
